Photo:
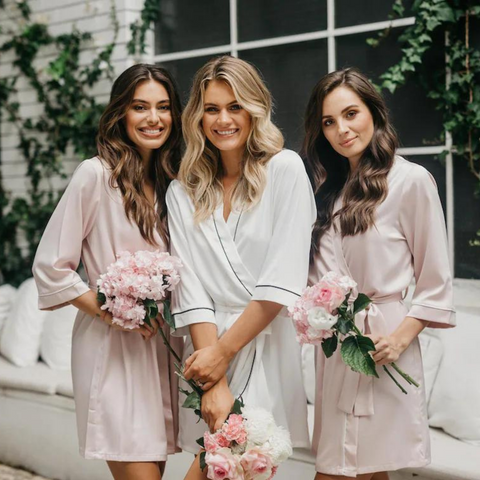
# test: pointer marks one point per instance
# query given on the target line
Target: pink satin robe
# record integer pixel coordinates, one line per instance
(124, 387)
(363, 424)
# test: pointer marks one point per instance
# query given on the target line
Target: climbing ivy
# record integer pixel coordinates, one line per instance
(458, 98)
(69, 118)
(150, 15)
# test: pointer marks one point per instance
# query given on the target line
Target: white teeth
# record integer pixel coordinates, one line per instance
(151, 131)
(226, 132)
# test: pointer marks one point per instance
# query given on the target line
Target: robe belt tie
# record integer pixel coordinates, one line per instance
(356, 396)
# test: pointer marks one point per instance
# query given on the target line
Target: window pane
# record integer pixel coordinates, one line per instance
(357, 12)
(291, 72)
(413, 114)
(187, 25)
(183, 71)
(467, 221)
(276, 18)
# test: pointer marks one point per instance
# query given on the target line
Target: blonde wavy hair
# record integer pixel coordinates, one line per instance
(201, 168)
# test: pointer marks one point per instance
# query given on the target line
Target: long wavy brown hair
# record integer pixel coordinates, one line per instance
(121, 155)
(363, 189)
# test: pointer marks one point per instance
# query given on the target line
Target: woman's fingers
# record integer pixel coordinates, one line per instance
(207, 386)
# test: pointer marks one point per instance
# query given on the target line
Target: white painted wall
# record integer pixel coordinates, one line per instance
(61, 16)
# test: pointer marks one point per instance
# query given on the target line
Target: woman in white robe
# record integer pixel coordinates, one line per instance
(380, 221)
(243, 232)
(124, 384)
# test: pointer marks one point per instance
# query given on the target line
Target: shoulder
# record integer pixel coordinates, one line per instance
(176, 193)
(88, 174)
(286, 162)
(413, 173)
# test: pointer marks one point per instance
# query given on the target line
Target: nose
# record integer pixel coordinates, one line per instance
(224, 117)
(152, 118)
(342, 127)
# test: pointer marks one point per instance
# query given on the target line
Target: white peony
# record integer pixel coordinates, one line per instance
(279, 445)
(259, 424)
(320, 319)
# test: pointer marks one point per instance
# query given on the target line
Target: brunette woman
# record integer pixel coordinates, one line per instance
(125, 393)
(240, 216)
(379, 221)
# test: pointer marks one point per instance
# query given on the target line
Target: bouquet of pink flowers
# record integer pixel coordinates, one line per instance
(324, 315)
(135, 284)
(249, 446)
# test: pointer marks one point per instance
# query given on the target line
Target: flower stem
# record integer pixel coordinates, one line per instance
(407, 377)
(394, 379)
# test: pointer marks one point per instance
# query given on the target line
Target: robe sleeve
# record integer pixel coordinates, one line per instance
(190, 301)
(59, 251)
(423, 224)
(284, 273)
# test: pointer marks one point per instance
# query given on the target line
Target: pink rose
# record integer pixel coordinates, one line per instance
(234, 429)
(222, 440)
(210, 442)
(329, 296)
(256, 464)
(223, 465)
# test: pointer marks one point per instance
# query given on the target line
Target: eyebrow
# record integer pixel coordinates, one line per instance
(343, 111)
(215, 105)
(138, 100)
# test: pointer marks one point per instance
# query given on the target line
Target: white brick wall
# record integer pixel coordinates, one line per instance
(61, 16)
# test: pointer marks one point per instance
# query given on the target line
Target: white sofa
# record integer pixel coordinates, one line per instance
(37, 420)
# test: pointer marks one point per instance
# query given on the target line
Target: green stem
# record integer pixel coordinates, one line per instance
(407, 377)
(393, 378)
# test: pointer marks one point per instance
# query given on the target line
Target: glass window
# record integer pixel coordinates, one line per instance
(183, 71)
(357, 12)
(187, 25)
(414, 115)
(467, 221)
(276, 18)
(291, 72)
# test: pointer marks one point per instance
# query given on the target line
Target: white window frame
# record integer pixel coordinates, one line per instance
(331, 33)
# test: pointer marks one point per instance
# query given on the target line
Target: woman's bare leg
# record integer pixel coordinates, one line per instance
(324, 476)
(135, 470)
(162, 466)
(195, 473)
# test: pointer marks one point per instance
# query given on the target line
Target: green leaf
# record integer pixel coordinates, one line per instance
(151, 308)
(356, 354)
(101, 298)
(329, 345)
(237, 407)
(201, 442)
(203, 464)
(343, 325)
(193, 401)
(167, 315)
(361, 302)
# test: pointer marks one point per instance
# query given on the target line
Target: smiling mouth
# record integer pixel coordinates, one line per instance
(226, 133)
(348, 142)
(151, 132)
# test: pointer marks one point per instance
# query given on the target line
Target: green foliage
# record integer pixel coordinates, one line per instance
(356, 354)
(150, 15)
(69, 118)
(458, 98)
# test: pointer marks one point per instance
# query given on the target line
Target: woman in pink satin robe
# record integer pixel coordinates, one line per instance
(124, 387)
(379, 221)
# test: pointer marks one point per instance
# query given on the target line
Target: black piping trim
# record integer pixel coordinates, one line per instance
(280, 288)
(228, 260)
(249, 375)
(236, 226)
(191, 309)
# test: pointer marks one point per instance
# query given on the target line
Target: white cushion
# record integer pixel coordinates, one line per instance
(20, 340)
(455, 399)
(7, 293)
(56, 342)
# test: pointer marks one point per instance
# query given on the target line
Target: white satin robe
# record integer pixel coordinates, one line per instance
(258, 254)
(125, 388)
(364, 424)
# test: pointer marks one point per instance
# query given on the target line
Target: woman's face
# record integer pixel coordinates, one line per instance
(149, 119)
(347, 123)
(225, 123)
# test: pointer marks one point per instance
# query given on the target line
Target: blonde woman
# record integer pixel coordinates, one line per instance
(240, 217)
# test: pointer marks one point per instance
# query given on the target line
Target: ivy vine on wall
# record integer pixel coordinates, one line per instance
(69, 117)
(455, 89)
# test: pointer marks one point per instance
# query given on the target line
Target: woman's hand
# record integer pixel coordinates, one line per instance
(387, 349)
(145, 330)
(217, 403)
(207, 365)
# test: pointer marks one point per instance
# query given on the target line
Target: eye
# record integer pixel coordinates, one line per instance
(327, 123)
(236, 107)
(164, 107)
(139, 108)
(210, 109)
(351, 114)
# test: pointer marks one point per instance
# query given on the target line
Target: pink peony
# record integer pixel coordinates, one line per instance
(256, 464)
(223, 465)
(234, 429)
(210, 442)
